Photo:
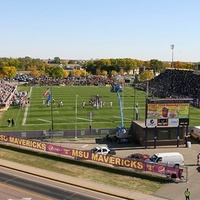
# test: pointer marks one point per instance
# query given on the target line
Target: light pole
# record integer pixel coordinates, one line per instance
(135, 105)
(134, 102)
(147, 88)
(172, 48)
(91, 114)
(76, 118)
(86, 76)
(123, 83)
(52, 125)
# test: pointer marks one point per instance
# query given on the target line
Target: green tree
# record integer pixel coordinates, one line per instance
(34, 72)
(104, 64)
(83, 73)
(121, 64)
(130, 65)
(189, 65)
(57, 60)
(55, 72)
(9, 72)
(156, 65)
(178, 65)
(98, 72)
(146, 75)
(166, 65)
(139, 63)
(25, 63)
(90, 67)
(114, 64)
(113, 73)
(104, 73)
(146, 64)
(2, 64)
(71, 62)
(13, 62)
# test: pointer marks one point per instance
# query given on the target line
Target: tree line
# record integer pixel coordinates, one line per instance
(58, 68)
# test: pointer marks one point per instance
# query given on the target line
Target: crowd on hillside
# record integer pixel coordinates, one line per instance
(174, 84)
(88, 80)
(9, 95)
(6, 90)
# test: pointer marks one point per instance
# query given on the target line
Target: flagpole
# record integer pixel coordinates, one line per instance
(76, 118)
(52, 127)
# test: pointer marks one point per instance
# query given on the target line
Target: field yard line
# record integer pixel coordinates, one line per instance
(72, 91)
(112, 120)
(120, 117)
(26, 109)
(75, 93)
(44, 120)
(197, 109)
(194, 118)
(83, 119)
(128, 108)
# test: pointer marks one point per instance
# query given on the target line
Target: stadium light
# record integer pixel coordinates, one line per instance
(76, 117)
(172, 47)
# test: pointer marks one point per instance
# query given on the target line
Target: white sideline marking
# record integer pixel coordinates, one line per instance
(44, 120)
(120, 117)
(77, 123)
(83, 119)
(26, 110)
(127, 108)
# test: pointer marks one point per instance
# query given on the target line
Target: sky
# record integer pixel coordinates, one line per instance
(101, 29)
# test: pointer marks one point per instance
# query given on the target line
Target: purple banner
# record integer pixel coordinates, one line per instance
(87, 155)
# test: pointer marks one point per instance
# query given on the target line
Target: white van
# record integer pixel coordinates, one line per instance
(172, 158)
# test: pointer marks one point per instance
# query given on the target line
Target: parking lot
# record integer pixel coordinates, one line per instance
(123, 150)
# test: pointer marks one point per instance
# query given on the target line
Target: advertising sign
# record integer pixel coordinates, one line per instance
(88, 155)
(166, 112)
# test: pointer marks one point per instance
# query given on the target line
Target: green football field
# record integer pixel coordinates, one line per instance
(39, 116)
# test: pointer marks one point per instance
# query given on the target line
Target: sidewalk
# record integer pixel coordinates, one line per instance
(126, 194)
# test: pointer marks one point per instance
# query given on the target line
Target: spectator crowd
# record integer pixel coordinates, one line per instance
(87, 80)
(171, 83)
(10, 96)
(6, 91)
(174, 83)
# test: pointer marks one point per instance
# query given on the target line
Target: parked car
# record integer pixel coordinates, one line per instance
(170, 158)
(103, 151)
(138, 156)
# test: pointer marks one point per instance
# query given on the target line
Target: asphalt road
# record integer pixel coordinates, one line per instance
(17, 185)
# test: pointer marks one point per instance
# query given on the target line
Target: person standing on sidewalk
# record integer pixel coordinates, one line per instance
(198, 159)
(187, 194)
